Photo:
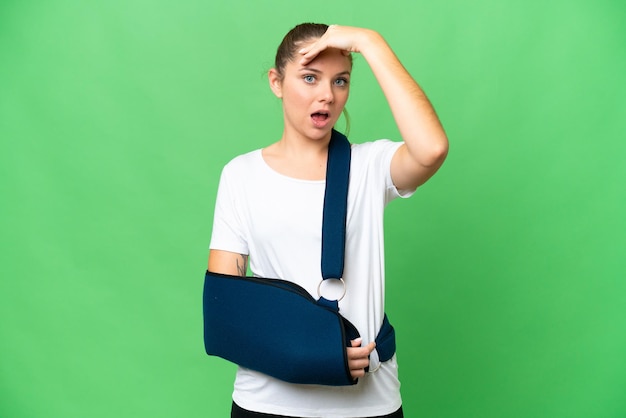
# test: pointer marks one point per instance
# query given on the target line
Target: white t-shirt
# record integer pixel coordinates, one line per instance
(277, 220)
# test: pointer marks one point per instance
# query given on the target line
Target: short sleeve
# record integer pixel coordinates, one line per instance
(387, 150)
(228, 229)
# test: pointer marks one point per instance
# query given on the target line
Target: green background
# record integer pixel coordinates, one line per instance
(506, 272)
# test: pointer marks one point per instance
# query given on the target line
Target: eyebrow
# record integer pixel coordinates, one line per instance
(314, 70)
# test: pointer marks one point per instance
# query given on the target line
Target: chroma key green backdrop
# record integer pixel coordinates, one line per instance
(506, 272)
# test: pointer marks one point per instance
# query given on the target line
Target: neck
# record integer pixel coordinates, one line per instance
(298, 156)
(295, 145)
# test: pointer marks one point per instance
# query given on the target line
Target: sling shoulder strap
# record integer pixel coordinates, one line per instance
(334, 232)
(335, 206)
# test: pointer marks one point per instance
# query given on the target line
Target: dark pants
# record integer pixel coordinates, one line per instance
(238, 412)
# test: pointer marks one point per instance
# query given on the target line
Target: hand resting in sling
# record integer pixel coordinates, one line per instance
(226, 262)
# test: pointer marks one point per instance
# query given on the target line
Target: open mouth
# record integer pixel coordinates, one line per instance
(320, 116)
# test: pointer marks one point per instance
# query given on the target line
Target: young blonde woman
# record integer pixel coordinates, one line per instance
(268, 211)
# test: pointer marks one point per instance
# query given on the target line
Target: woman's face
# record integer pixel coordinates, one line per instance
(313, 95)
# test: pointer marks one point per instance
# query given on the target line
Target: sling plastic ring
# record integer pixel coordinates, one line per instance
(319, 288)
(376, 369)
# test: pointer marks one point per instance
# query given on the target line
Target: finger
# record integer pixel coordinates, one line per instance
(356, 342)
(370, 347)
(356, 351)
(357, 373)
(359, 353)
(311, 52)
(357, 367)
(360, 363)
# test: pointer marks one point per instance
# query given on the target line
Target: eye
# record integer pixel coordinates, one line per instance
(341, 82)
(309, 79)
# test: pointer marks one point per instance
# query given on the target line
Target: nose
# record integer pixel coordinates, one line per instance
(327, 94)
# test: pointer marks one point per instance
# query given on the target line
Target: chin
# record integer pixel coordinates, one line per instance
(320, 134)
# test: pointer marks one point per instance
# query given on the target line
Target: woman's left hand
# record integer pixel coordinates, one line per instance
(358, 357)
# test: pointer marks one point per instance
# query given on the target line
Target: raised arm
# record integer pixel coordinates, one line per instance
(226, 262)
(425, 142)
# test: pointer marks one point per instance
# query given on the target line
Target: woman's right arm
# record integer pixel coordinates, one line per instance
(226, 262)
(425, 142)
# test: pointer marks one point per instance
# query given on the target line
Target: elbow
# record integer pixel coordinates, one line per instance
(435, 156)
(427, 149)
(413, 168)
(441, 152)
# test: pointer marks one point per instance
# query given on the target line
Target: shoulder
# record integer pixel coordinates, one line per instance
(244, 159)
(237, 172)
(243, 163)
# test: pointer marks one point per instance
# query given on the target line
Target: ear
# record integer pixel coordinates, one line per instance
(276, 83)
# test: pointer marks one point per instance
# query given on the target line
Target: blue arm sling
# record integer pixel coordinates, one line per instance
(275, 326)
